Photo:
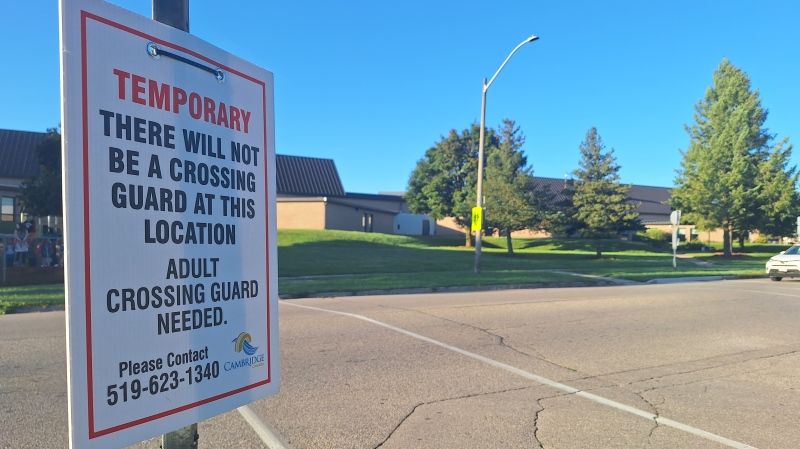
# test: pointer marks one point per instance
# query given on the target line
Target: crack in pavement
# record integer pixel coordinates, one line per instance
(739, 362)
(439, 401)
(708, 359)
(707, 379)
(652, 430)
(604, 378)
(536, 422)
(545, 381)
(652, 406)
(501, 341)
(536, 417)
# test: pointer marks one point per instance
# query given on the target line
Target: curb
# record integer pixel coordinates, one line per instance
(601, 282)
(455, 289)
(690, 279)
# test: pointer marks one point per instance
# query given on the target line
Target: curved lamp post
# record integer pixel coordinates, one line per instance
(479, 233)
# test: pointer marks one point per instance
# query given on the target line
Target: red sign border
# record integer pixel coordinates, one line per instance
(85, 17)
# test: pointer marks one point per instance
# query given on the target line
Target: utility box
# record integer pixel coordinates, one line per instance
(414, 224)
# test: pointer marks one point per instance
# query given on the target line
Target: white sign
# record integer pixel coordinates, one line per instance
(169, 173)
(675, 217)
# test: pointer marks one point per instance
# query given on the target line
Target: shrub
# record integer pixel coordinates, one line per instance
(692, 246)
(657, 235)
(653, 237)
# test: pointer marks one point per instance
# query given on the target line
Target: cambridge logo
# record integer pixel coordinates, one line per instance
(252, 360)
(242, 343)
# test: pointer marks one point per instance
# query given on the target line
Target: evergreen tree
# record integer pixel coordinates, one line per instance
(561, 216)
(600, 202)
(443, 183)
(779, 202)
(512, 202)
(41, 196)
(729, 176)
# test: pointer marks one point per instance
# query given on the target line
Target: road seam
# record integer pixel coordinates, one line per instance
(543, 380)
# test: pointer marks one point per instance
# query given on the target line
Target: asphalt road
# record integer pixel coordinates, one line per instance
(688, 365)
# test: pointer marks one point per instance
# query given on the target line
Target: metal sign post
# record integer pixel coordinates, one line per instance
(675, 220)
(175, 13)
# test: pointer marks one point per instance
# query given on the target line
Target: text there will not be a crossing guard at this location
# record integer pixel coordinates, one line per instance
(170, 225)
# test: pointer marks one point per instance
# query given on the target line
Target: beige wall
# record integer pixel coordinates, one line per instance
(301, 215)
(321, 215)
(715, 236)
(342, 218)
(347, 218)
(527, 234)
(447, 227)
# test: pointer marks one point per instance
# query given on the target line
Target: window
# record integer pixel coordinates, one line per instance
(366, 222)
(7, 209)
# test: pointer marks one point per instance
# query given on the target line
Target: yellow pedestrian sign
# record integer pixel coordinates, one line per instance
(477, 218)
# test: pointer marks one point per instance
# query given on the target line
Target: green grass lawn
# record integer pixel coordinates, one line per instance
(30, 296)
(309, 265)
(311, 262)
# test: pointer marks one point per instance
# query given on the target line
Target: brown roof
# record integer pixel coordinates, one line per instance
(295, 175)
(553, 185)
(307, 176)
(17, 155)
(652, 200)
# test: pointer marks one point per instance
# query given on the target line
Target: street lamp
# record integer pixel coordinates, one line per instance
(479, 232)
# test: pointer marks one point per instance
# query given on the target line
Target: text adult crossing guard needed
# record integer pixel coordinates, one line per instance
(169, 207)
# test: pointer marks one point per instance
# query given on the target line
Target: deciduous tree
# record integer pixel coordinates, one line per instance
(444, 181)
(41, 196)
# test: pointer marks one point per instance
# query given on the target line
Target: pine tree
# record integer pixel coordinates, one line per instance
(723, 182)
(600, 201)
(512, 202)
(779, 202)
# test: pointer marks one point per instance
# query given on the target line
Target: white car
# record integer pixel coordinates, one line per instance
(784, 265)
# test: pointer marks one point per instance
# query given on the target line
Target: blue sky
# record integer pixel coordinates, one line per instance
(374, 84)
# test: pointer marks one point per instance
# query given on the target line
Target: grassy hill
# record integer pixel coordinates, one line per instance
(339, 262)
